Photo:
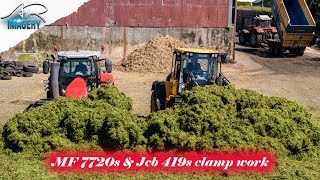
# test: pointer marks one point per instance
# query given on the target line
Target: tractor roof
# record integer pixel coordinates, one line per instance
(78, 54)
(264, 17)
(199, 51)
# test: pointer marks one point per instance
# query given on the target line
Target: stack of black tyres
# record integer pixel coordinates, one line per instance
(16, 68)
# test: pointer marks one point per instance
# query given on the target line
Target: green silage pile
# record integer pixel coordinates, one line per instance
(208, 118)
(226, 118)
(101, 120)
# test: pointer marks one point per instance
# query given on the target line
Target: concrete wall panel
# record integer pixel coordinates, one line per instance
(120, 41)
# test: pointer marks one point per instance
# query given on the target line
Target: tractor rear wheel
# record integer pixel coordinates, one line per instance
(255, 38)
(242, 38)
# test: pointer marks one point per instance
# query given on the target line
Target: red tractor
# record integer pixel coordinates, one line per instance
(259, 32)
(74, 74)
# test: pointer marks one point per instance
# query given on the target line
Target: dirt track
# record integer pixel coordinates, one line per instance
(296, 78)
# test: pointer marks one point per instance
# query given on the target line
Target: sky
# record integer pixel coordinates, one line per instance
(56, 10)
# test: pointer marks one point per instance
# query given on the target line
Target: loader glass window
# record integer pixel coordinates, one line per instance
(203, 73)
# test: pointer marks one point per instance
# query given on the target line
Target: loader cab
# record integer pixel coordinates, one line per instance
(193, 67)
(190, 68)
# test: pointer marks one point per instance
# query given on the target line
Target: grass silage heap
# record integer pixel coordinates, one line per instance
(208, 118)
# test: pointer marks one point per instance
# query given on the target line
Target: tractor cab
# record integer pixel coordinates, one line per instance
(75, 64)
(260, 31)
(262, 21)
(75, 73)
(190, 68)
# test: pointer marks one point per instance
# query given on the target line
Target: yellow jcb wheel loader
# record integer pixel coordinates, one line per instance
(190, 68)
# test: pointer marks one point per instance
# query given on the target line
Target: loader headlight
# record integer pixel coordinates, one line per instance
(182, 86)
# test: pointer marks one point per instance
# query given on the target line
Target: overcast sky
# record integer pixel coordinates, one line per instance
(56, 10)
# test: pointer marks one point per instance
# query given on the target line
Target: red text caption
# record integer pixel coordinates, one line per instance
(259, 162)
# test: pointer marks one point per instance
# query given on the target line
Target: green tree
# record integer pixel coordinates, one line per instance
(314, 6)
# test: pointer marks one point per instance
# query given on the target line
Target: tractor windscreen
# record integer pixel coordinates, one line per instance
(72, 68)
(265, 24)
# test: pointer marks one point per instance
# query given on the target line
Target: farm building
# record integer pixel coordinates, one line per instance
(125, 25)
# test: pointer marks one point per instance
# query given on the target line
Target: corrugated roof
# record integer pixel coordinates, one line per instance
(78, 54)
